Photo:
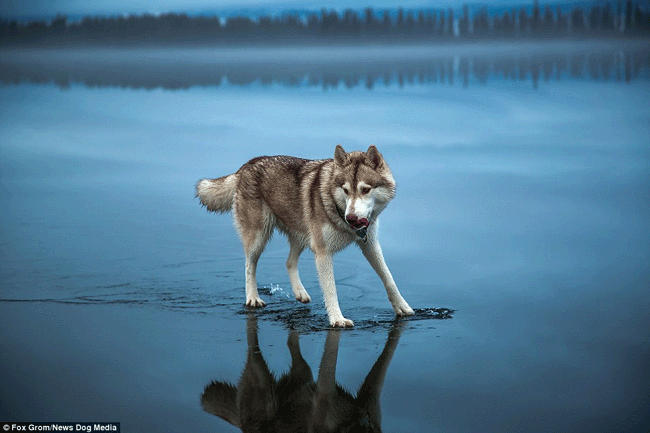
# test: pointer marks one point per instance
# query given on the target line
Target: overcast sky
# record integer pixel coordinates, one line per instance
(32, 9)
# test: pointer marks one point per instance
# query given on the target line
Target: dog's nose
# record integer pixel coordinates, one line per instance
(356, 222)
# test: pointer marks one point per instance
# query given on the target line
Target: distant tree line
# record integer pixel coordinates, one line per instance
(624, 18)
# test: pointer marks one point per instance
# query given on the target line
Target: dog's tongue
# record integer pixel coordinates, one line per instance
(360, 224)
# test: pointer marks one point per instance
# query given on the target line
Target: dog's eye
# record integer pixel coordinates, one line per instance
(365, 190)
(345, 190)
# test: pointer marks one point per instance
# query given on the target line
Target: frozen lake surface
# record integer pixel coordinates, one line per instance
(523, 204)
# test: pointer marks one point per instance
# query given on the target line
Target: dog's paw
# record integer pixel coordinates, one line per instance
(255, 303)
(342, 323)
(301, 294)
(403, 309)
(303, 297)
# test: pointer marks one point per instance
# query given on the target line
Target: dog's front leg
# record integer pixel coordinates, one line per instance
(325, 269)
(372, 252)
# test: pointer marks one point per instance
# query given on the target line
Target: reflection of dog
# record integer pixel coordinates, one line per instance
(324, 205)
(260, 403)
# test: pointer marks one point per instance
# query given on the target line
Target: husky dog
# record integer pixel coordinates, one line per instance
(322, 204)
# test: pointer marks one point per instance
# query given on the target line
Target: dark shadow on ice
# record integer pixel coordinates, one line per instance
(185, 297)
(301, 318)
(296, 402)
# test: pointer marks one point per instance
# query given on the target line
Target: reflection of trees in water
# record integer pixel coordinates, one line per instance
(138, 72)
(595, 66)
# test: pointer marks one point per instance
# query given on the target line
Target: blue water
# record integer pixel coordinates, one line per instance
(523, 204)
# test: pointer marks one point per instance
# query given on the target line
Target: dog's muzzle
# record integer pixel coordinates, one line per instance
(360, 225)
(356, 222)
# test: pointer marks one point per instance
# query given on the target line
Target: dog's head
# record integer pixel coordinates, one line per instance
(363, 185)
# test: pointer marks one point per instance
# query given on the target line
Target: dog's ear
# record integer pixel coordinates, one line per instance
(373, 157)
(340, 156)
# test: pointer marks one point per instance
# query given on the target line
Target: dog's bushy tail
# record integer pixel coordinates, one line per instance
(218, 195)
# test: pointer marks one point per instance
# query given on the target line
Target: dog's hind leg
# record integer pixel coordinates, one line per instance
(253, 250)
(292, 268)
(255, 229)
